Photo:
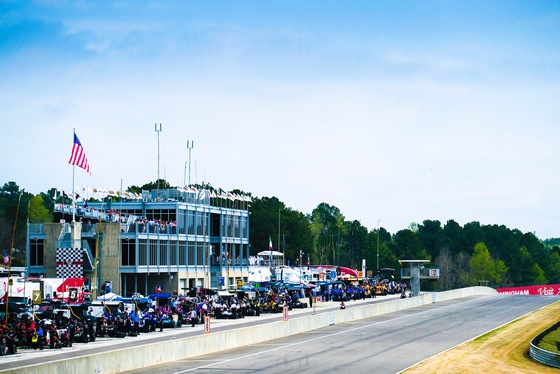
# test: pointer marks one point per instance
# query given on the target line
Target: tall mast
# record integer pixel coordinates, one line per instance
(190, 146)
(158, 130)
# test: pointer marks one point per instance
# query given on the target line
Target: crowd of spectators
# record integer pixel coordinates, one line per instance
(156, 226)
(174, 311)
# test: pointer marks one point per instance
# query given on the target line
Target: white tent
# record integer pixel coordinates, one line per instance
(272, 258)
(108, 297)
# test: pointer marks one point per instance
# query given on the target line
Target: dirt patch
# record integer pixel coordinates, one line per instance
(504, 350)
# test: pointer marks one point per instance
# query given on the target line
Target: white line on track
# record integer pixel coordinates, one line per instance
(283, 346)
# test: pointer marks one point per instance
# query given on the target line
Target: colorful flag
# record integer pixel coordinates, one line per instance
(270, 251)
(78, 156)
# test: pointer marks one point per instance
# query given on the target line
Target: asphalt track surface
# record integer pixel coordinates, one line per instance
(384, 344)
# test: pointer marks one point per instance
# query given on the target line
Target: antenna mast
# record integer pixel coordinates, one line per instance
(158, 130)
(190, 146)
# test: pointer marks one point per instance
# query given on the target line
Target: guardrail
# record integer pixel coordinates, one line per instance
(542, 355)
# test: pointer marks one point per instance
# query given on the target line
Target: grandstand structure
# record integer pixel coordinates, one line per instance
(168, 241)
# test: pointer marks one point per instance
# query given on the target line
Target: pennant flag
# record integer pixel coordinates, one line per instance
(269, 243)
(78, 156)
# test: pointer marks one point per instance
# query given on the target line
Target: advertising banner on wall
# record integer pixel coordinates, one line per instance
(542, 290)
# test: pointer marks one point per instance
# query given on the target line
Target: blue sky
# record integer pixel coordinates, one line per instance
(398, 111)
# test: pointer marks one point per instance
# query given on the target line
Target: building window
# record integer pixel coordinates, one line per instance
(173, 253)
(163, 252)
(37, 252)
(190, 257)
(153, 252)
(143, 252)
(128, 252)
(200, 254)
(182, 253)
(190, 223)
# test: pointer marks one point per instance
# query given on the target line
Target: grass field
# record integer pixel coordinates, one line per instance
(504, 350)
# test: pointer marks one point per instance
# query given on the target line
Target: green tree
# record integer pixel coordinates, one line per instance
(430, 234)
(326, 225)
(482, 264)
(48, 199)
(357, 246)
(267, 213)
(295, 234)
(537, 275)
(13, 204)
(161, 184)
(406, 246)
(484, 267)
(263, 223)
(387, 258)
(38, 213)
(500, 271)
(455, 238)
(554, 267)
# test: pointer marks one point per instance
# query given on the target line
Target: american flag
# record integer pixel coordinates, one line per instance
(78, 156)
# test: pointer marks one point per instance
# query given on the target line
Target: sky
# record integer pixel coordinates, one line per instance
(395, 112)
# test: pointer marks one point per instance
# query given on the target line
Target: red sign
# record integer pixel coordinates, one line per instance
(285, 313)
(542, 290)
(206, 324)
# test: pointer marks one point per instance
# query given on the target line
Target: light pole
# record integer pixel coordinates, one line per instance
(378, 245)
(190, 146)
(300, 256)
(158, 130)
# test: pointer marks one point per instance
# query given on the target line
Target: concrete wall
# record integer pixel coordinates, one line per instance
(52, 232)
(125, 359)
(110, 256)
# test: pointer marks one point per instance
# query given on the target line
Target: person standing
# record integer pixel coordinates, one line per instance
(160, 321)
(91, 330)
(193, 316)
(137, 322)
(40, 335)
(71, 331)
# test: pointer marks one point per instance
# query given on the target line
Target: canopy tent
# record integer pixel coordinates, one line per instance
(268, 253)
(272, 258)
(108, 296)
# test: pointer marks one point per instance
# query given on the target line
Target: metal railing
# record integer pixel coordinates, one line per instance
(424, 273)
(542, 355)
(36, 228)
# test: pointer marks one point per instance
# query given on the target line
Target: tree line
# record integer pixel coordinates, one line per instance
(464, 254)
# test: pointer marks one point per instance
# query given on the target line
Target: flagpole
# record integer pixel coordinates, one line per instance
(73, 192)
(9, 287)
(279, 246)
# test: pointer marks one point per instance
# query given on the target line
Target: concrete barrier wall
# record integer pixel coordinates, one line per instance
(462, 292)
(126, 359)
